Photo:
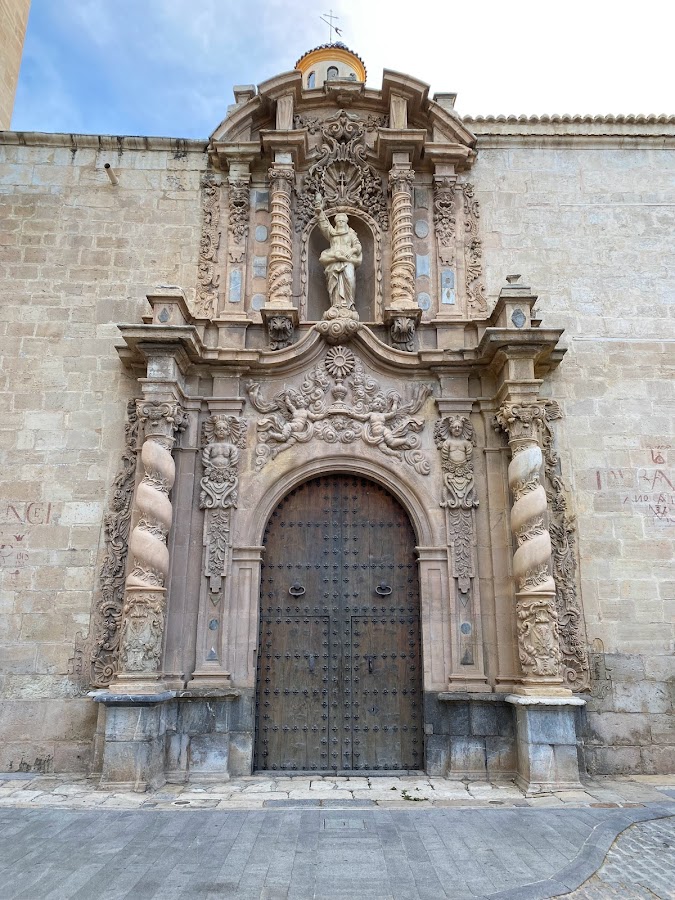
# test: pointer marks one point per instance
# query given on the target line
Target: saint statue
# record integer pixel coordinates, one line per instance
(340, 259)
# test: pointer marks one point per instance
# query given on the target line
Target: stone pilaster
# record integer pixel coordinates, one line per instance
(537, 619)
(143, 614)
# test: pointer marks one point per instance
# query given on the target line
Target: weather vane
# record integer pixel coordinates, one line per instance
(328, 19)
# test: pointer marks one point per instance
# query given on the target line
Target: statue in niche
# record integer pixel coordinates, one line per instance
(340, 259)
(455, 439)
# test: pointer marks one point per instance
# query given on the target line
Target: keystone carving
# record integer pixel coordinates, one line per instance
(319, 410)
(341, 174)
(206, 302)
(473, 252)
(224, 437)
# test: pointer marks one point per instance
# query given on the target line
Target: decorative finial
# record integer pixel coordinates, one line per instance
(328, 19)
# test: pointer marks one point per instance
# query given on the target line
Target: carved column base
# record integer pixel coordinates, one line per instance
(141, 642)
(280, 322)
(539, 645)
(402, 320)
(474, 684)
(546, 741)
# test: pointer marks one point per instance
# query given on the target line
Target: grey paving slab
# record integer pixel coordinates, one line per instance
(147, 854)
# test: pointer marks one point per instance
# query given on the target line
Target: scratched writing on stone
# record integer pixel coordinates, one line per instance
(17, 517)
(645, 490)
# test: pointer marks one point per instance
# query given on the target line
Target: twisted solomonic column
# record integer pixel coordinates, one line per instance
(280, 266)
(537, 619)
(144, 601)
(402, 252)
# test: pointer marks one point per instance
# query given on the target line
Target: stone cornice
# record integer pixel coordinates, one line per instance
(120, 143)
(556, 126)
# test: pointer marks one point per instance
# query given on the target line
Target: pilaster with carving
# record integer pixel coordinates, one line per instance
(208, 278)
(537, 619)
(239, 203)
(455, 438)
(402, 253)
(144, 602)
(445, 219)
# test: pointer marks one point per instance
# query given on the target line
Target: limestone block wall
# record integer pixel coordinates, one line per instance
(77, 256)
(589, 224)
(13, 21)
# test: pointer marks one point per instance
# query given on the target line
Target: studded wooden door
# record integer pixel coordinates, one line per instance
(339, 681)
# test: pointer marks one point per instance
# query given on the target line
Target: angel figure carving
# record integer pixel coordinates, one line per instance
(390, 425)
(340, 259)
(220, 458)
(454, 437)
(291, 421)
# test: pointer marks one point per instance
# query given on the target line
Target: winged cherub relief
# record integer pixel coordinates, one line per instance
(338, 402)
(454, 437)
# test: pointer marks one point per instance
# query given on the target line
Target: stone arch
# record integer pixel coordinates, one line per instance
(369, 280)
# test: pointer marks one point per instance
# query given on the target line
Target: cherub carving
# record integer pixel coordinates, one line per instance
(293, 425)
(401, 434)
(454, 437)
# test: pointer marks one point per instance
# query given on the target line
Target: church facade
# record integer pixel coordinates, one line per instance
(340, 443)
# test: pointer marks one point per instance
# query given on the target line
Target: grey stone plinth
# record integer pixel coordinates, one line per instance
(546, 742)
(135, 738)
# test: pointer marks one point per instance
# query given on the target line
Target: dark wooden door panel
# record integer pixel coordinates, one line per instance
(339, 586)
(293, 729)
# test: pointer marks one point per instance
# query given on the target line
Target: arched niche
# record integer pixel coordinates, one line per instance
(315, 300)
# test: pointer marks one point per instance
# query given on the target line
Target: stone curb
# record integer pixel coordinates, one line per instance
(588, 860)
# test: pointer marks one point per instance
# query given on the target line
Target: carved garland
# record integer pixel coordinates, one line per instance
(104, 642)
(208, 279)
(379, 419)
(444, 219)
(562, 527)
(224, 437)
(473, 251)
(238, 214)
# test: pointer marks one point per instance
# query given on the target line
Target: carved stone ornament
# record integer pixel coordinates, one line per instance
(402, 333)
(224, 437)
(445, 221)
(454, 436)
(338, 325)
(319, 410)
(238, 213)
(206, 302)
(142, 632)
(562, 528)
(536, 609)
(101, 650)
(341, 174)
(280, 266)
(280, 329)
(538, 639)
(402, 282)
(473, 252)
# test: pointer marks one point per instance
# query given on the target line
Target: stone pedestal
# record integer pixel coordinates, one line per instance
(135, 740)
(546, 741)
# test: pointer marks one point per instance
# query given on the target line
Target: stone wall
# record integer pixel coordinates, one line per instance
(13, 21)
(590, 225)
(77, 256)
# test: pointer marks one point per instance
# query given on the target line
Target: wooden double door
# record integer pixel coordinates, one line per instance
(339, 675)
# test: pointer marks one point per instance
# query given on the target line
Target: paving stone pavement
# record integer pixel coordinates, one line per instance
(385, 838)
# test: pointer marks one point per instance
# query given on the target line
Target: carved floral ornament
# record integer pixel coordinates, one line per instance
(208, 278)
(338, 402)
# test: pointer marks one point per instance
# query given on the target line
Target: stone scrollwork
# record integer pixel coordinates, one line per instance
(341, 174)
(104, 643)
(562, 527)
(238, 213)
(402, 333)
(206, 303)
(224, 437)
(538, 640)
(473, 251)
(445, 220)
(142, 632)
(281, 330)
(319, 410)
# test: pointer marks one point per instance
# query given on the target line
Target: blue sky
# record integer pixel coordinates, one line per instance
(167, 67)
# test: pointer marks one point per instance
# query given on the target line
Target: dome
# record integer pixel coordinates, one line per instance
(328, 62)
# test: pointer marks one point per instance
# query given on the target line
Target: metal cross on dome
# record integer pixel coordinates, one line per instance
(328, 19)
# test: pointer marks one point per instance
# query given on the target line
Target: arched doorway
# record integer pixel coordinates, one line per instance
(339, 674)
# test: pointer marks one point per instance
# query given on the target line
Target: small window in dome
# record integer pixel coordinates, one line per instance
(332, 72)
(311, 79)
